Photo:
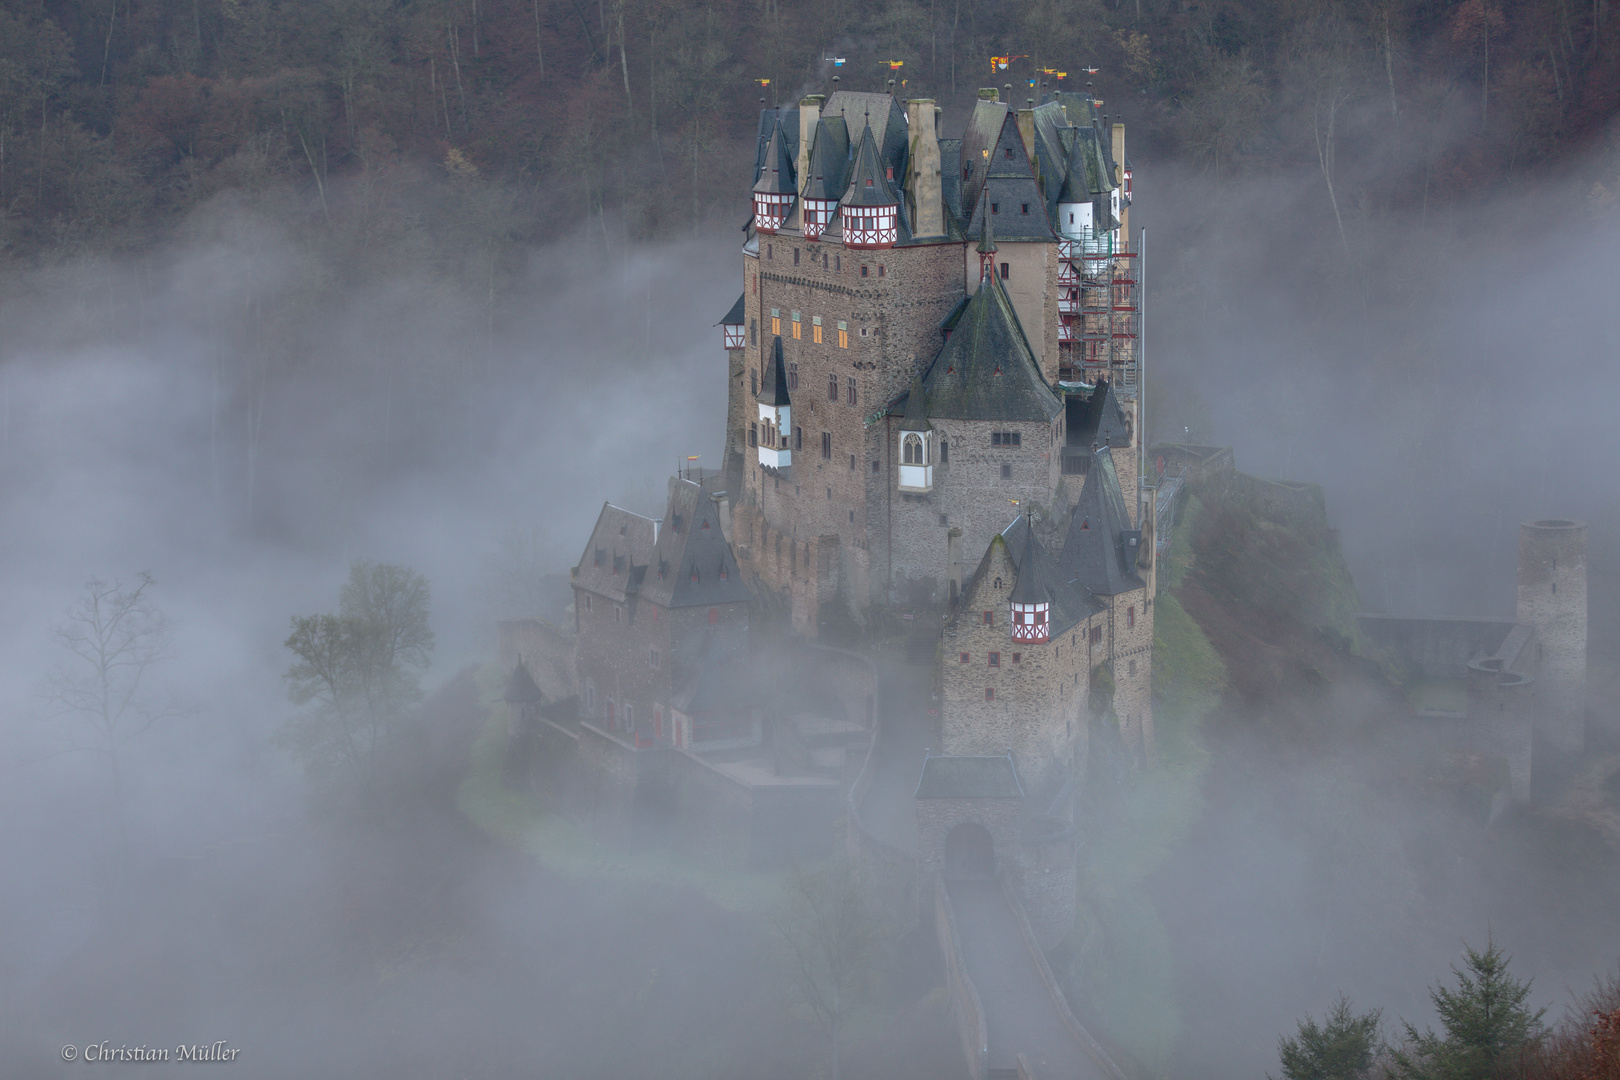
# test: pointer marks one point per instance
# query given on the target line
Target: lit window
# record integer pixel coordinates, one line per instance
(815, 328)
(843, 334)
(796, 326)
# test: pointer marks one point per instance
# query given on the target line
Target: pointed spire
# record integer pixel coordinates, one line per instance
(987, 234)
(774, 390)
(916, 418)
(777, 176)
(869, 186)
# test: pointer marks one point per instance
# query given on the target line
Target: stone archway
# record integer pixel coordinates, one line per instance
(970, 852)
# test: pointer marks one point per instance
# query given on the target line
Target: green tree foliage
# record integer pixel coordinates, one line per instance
(356, 671)
(1341, 1047)
(1487, 1025)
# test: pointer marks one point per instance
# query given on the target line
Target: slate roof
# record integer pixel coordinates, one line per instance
(692, 565)
(774, 389)
(1098, 418)
(520, 686)
(776, 176)
(868, 183)
(880, 112)
(986, 370)
(1040, 581)
(734, 317)
(916, 416)
(1100, 550)
(969, 778)
(1008, 187)
(625, 541)
(829, 160)
(983, 131)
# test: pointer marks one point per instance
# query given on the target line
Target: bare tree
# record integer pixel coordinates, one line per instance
(114, 637)
(835, 937)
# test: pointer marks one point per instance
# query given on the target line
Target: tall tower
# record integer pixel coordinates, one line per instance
(1552, 601)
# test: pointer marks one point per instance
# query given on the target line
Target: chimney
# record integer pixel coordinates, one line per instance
(1118, 147)
(809, 117)
(922, 171)
(1026, 131)
(989, 93)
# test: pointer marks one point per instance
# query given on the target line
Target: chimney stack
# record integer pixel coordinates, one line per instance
(922, 169)
(809, 117)
(1026, 132)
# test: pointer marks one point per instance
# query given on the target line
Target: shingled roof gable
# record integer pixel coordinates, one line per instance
(692, 564)
(986, 371)
(869, 183)
(829, 160)
(776, 176)
(626, 542)
(1097, 552)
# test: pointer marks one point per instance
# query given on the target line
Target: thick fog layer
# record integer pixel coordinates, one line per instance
(248, 409)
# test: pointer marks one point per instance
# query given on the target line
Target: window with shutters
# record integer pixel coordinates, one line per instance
(776, 322)
(843, 335)
(815, 328)
(796, 326)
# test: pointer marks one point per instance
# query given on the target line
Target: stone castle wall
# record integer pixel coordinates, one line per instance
(1035, 705)
(1132, 664)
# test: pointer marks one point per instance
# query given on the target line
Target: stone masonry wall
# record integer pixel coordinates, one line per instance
(893, 315)
(1132, 658)
(1035, 704)
(1031, 284)
(970, 493)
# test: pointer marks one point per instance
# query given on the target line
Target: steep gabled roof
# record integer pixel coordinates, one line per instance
(1098, 419)
(1041, 581)
(986, 370)
(776, 177)
(1008, 190)
(984, 127)
(620, 542)
(774, 389)
(868, 182)
(880, 112)
(1100, 550)
(734, 317)
(521, 688)
(692, 565)
(829, 160)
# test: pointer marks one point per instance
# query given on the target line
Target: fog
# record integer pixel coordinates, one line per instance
(259, 401)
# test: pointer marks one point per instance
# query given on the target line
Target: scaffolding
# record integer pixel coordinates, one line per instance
(1100, 310)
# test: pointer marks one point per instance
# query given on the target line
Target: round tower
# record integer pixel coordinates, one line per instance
(1552, 602)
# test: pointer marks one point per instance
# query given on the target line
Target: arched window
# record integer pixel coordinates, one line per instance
(914, 449)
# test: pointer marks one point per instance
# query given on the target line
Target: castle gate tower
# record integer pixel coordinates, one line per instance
(1552, 601)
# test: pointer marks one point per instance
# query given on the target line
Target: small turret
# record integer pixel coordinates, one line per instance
(775, 189)
(775, 413)
(870, 207)
(824, 179)
(916, 447)
(1030, 602)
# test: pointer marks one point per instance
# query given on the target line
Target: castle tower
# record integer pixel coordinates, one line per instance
(776, 189)
(1552, 602)
(775, 414)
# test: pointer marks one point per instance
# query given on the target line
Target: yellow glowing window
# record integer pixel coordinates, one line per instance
(776, 321)
(796, 326)
(843, 334)
(815, 328)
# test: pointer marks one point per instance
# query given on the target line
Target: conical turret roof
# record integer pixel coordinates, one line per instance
(774, 390)
(777, 177)
(1100, 550)
(521, 688)
(869, 185)
(916, 417)
(829, 160)
(987, 234)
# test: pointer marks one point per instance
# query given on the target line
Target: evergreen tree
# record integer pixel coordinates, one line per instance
(1339, 1048)
(1486, 1020)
